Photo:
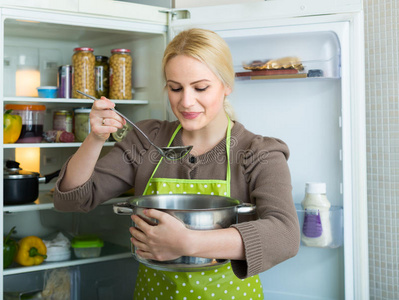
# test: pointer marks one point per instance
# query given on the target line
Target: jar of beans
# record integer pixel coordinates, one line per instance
(120, 73)
(83, 62)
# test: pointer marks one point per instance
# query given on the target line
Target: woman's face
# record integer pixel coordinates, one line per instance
(196, 95)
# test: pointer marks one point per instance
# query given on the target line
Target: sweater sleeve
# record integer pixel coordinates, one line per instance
(274, 236)
(113, 174)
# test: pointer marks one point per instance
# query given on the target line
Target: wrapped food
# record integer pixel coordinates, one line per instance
(276, 64)
(59, 136)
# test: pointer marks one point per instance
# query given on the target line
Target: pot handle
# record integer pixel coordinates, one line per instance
(123, 208)
(47, 178)
(246, 209)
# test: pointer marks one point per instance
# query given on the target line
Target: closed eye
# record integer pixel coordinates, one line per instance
(201, 90)
(176, 90)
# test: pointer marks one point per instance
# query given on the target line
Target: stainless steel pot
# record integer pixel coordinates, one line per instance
(198, 212)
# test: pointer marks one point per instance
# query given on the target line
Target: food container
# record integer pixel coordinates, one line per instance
(198, 212)
(83, 62)
(102, 76)
(64, 81)
(47, 91)
(32, 121)
(120, 74)
(62, 120)
(87, 246)
(81, 123)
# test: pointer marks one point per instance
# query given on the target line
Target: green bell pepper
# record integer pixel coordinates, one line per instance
(10, 248)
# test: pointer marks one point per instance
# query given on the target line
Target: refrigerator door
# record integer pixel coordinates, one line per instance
(321, 119)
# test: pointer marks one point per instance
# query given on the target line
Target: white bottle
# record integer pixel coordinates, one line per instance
(316, 230)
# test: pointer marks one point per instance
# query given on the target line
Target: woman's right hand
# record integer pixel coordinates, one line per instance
(104, 121)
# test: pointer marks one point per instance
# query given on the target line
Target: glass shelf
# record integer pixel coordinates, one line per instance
(108, 252)
(64, 100)
(48, 145)
(45, 201)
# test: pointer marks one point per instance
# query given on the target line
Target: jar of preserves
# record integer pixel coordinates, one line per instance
(120, 73)
(102, 75)
(81, 123)
(62, 120)
(83, 62)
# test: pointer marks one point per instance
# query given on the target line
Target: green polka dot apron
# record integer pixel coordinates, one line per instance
(219, 283)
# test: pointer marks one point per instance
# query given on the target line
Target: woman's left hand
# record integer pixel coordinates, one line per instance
(164, 241)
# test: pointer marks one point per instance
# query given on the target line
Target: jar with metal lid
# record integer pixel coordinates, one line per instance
(81, 123)
(62, 120)
(83, 62)
(102, 75)
(120, 73)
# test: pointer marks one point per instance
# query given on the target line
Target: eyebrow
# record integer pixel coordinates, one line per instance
(194, 82)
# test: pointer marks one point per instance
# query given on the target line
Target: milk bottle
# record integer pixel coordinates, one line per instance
(316, 230)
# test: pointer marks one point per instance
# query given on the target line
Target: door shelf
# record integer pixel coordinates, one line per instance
(45, 201)
(333, 231)
(109, 252)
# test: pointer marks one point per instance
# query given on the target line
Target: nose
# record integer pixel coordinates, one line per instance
(187, 98)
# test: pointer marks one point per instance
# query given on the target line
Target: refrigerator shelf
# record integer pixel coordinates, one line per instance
(332, 235)
(45, 202)
(48, 145)
(109, 252)
(57, 101)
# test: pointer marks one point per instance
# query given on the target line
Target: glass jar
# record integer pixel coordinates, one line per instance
(62, 120)
(83, 62)
(81, 123)
(32, 121)
(120, 73)
(102, 75)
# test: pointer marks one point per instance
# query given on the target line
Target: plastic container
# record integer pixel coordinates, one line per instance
(316, 229)
(81, 123)
(47, 91)
(120, 74)
(32, 121)
(83, 63)
(57, 253)
(87, 246)
(102, 76)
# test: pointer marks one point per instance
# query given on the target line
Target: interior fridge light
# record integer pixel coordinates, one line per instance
(29, 159)
(26, 82)
(27, 21)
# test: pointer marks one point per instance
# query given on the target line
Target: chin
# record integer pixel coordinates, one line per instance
(190, 125)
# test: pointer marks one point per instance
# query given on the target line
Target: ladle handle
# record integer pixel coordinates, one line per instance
(122, 115)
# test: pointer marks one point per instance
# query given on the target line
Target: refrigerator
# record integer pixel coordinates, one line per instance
(320, 115)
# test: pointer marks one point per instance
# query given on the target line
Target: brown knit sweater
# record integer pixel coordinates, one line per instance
(259, 175)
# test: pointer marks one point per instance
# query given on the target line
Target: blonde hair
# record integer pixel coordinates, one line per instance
(210, 49)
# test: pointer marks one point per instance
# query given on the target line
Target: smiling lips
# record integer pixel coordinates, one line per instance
(190, 115)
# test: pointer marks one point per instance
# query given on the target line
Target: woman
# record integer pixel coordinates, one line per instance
(226, 160)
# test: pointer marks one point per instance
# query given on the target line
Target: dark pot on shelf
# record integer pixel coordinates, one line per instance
(21, 187)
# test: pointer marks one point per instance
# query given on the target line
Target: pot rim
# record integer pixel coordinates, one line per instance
(22, 175)
(231, 203)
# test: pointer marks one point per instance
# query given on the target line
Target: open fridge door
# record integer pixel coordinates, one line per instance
(319, 112)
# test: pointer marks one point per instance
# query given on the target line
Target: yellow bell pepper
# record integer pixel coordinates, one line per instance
(12, 126)
(32, 251)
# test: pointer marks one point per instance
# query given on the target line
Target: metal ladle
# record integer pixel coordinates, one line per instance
(172, 153)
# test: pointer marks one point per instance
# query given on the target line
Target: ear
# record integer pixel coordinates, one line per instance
(227, 91)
